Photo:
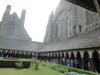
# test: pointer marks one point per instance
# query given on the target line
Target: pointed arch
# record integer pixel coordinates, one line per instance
(86, 60)
(72, 60)
(96, 61)
(78, 60)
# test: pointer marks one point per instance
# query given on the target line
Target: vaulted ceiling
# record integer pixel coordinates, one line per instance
(88, 4)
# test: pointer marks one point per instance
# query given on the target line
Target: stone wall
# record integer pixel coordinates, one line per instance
(68, 21)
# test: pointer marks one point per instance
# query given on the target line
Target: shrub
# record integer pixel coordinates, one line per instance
(59, 68)
(63, 69)
(19, 64)
(43, 65)
(35, 64)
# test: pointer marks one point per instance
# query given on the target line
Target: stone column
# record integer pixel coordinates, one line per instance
(82, 63)
(91, 65)
(75, 61)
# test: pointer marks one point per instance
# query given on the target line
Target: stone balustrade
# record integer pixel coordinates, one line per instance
(92, 26)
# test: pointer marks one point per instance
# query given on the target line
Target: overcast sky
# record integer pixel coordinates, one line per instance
(37, 14)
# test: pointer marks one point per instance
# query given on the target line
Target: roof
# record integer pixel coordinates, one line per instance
(84, 40)
(16, 44)
(88, 4)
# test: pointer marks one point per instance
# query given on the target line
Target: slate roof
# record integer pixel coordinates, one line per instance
(84, 40)
(15, 44)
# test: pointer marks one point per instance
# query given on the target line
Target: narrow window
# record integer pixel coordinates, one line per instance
(11, 29)
(80, 29)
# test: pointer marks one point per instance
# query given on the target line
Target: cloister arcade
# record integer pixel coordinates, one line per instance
(16, 53)
(87, 59)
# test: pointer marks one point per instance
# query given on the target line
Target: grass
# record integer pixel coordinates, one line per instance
(42, 71)
(62, 68)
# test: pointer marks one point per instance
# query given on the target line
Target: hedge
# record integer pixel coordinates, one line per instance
(62, 68)
(77, 70)
(8, 63)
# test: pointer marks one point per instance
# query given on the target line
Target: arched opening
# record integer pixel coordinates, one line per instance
(17, 54)
(30, 55)
(96, 61)
(53, 56)
(72, 60)
(67, 60)
(86, 62)
(13, 54)
(56, 57)
(63, 59)
(38, 57)
(49, 57)
(78, 60)
(9, 53)
(21, 55)
(45, 56)
(59, 58)
(5, 53)
(0, 53)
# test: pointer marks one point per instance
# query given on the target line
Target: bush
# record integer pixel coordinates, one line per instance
(59, 68)
(35, 64)
(63, 69)
(19, 64)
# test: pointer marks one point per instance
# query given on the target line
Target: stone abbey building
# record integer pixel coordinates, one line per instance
(14, 40)
(72, 37)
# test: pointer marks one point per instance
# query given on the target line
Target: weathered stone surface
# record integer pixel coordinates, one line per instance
(13, 34)
(68, 21)
(72, 27)
(12, 26)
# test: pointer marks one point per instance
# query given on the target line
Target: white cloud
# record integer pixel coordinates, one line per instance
(37, 13)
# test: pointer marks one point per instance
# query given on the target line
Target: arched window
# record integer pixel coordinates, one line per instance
(11, 28)
(80, 28)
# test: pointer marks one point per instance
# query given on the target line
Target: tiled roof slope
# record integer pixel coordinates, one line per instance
(15, 44)
(84, 40)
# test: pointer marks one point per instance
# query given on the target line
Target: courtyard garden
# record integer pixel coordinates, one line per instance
(34, 67)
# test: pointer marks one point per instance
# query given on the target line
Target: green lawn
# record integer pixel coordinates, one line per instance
(42, 71)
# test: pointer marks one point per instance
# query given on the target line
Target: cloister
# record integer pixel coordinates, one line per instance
(83, 51)
(87, 59)
(15, 53)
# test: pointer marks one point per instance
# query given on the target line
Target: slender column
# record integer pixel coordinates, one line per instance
(92, 65)
(97, 6)
(75, 61)
(89, 64)
(69, 61)
(82, 63)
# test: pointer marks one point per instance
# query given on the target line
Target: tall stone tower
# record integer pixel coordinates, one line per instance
(12, 26)
(48, 37)
(22, 18)
(6, 13)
